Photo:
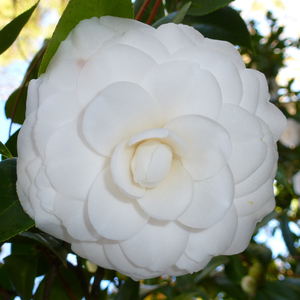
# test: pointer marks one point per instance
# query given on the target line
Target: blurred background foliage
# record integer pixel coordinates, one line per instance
(42, 267)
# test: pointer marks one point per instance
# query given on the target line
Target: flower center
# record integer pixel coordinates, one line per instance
(151, 163)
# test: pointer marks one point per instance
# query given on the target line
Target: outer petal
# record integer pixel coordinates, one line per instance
(225, 71)
(89, 36)
(168, 200)
(208, 145)
(120, 111)
(33, 95)
(212, 198)
(157, 246)
(214, 240)
(113, 215)
(71, 164)
(248, 147)
(112, 64)
(116, 256)
(93, 251)
(246, 226)
(190, 265)
(74, 216)
(186, 89)
(49, 118)
(121, 172)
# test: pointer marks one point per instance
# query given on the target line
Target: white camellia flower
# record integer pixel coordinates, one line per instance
(291, 136)
(296, 183)
(149, 150)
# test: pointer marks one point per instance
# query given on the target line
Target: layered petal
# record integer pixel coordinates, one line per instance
(208, 145)
(186, 89)
(120, 111)
(71, 164)
(157, 246)
(169, 200)
(111, 212)
(212, 198)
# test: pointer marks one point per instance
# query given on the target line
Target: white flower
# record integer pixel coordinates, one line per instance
(149, 150)
(296, 183)
(291, 136)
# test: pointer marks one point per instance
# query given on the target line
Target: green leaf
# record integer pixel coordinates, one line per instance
(204, 7)
(230, 288)
(223, 24)
(51, 243)
(260, 252)
(11, 144)
(281, 290)
(13, 219)
(235, 269)
(19, 115)
(129, 290)
(22, 272)
(288, 235)
(66, 280)
(281, 178)
(78, 10)
(174, 17)
(4, 151)
(4, 278)
(10, 32)
(215, 262)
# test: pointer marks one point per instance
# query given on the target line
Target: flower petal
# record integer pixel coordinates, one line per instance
(224, 71)
(246, 227)
(248, 147)
(110, 65)
(168, 200)
(208, 145)
(212, 199)
(71, 164)
(93, 251)
(116, 256)
(186, 89)
(121, 172)
(113, 215)
(157, 246)
(74, 216)
(214, 240)
(165, 136)
(192, 266)
(89, 36)
(120, 111)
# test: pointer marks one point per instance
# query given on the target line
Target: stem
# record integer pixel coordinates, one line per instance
(22, 88)
(142, 10)
(154, 10)
(49, 282)
(96, 292)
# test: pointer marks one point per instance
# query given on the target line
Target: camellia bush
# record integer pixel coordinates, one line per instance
(148, 151)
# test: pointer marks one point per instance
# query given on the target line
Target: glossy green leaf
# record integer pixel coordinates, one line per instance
(64, 282)
(235, 269)
(174, 17)
(49, 242)
(215, 262)
(223, 24)
(281, 290)
(204, 7)
(19, 115)
(4, 151)
(13, 219)
(11, 144)
(129, 290)
(10, 32)
(22, 272)
(260, 252)
(78, 10)
(281, 179)
(4, 278)
(288, 235)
